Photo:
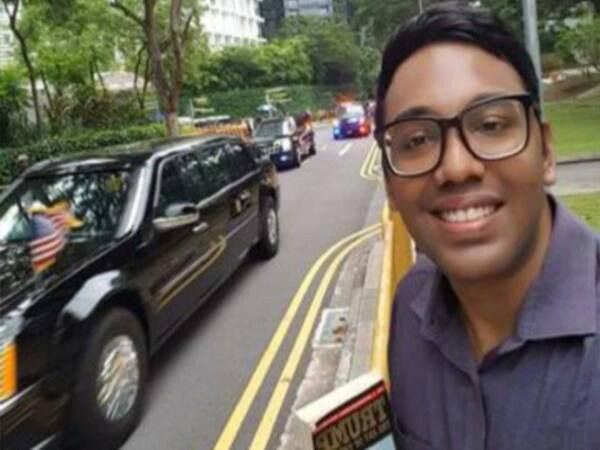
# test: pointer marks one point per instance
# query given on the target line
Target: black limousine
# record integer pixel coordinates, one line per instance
(101, 257)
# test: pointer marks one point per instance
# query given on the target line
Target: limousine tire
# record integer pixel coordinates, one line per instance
(268, 245)
(106, 402)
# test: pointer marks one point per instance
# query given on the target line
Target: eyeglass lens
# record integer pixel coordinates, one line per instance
(492, 130)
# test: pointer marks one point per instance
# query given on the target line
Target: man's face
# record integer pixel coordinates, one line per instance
(506, 198)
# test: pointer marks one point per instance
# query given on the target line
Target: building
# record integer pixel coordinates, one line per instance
(6, 40)
(273, 11)
(320, 8)
(232, 22)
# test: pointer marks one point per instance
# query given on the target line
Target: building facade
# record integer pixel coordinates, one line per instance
(273, 11)
(320, 8)
(232, 22)
(6, 40)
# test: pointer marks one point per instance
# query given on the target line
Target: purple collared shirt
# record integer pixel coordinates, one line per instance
(539, 390)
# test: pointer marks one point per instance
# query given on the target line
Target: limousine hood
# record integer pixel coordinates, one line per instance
(19, 279)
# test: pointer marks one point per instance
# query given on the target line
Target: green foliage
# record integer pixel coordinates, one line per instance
(586, 206)
(582, 43)
(13, 101)
(74, 43)
(369, 64)
(59, 146)
(381, 17)
(331, 46)
(283, 61)
(243, 102)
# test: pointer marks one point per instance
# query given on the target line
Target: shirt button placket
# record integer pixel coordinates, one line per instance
(476, 417)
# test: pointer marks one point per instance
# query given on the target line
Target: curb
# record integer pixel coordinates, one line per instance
(583, 159)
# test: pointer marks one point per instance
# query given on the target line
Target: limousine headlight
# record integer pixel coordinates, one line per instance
(10, 326)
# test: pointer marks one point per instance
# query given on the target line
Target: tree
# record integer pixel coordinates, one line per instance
(331, 46)
(166, 44)
(382, 17)
(74, 41)
(13, 100)
(582, 43)
(12, 9)
(369, 63)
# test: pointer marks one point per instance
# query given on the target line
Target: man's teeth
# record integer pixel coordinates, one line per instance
(467, 215)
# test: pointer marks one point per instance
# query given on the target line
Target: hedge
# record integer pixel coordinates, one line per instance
(64, 145)
(243, 102)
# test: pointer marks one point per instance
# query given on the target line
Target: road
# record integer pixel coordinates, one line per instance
(199, 376)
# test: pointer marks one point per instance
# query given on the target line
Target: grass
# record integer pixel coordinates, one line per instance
(586, 206)
(576, 126)
(575, 121)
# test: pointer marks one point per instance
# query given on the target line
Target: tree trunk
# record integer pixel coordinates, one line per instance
(12, 16)
(171, 124)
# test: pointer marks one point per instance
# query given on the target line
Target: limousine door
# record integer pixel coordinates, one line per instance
(184, 248)
(244, 202)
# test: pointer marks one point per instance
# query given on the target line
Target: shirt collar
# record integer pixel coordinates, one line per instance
(561, 301)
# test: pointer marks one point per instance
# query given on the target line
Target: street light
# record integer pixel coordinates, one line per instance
(531, 38)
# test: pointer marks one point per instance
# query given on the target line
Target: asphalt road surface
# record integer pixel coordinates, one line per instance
(199, 375)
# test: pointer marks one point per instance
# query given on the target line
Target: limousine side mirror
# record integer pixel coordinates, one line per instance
(176, 216)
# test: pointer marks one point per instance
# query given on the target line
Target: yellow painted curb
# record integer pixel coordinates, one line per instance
(398, 256)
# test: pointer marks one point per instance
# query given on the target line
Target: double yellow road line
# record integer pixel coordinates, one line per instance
(261, 438)
(368, 171)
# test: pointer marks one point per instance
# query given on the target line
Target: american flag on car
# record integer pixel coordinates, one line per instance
(50, 227)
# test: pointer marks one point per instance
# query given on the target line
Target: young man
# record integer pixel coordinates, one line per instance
(494, 341)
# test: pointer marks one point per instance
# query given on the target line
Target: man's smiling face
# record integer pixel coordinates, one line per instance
(476, 219)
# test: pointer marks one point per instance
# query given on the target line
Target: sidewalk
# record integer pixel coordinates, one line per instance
(342, 343)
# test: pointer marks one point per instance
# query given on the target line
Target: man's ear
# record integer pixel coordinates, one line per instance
(549, 154)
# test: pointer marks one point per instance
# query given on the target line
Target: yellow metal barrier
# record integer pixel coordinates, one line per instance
(397, 259)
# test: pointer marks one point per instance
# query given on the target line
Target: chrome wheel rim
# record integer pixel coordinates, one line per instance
(272, 226)
(118, 378)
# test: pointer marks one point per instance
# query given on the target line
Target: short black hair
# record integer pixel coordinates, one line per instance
(454, 22)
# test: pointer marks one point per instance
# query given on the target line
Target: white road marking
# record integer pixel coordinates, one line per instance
(345, 150)
(324, 148)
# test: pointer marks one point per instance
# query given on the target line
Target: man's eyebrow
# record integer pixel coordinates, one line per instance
(415, 111)
(422, 111)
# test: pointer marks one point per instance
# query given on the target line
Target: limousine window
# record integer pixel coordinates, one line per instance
(171, 188)
(241, 162)
(215, 167)
(193, 178)
(93, 201)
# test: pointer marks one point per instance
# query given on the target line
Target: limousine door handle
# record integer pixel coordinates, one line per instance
(200, 228)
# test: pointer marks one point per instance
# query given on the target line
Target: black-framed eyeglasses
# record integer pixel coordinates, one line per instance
(492, 129)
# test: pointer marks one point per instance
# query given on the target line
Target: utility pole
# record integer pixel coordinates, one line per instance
(532, 40)
(420, 6)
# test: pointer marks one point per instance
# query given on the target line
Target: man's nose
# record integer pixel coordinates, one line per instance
(458, 164)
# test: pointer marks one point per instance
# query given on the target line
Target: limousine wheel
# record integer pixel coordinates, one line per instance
(107, 400)
(269, 239)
